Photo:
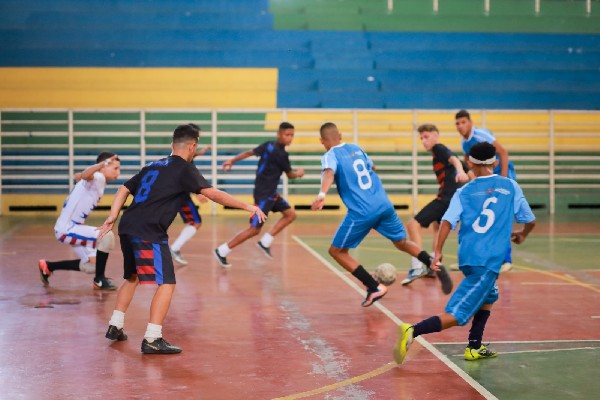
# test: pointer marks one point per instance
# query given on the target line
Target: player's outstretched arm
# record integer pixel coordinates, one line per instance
(115, 209)
(503, 154)
(202, 151)
(519, 237)
(295, 173)
(88, 173)
(461, 175)
(226, 199)
(326, 181)
(229, 163)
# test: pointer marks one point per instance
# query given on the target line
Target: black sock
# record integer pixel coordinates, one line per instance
(425, 258)
(429, 325)
(362, 275)
(101, 258)
(477, 327)
(68, 265)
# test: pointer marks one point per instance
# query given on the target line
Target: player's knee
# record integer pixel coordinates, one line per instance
(87, 267)
(291, 215)
(106, 243)
(334, 252)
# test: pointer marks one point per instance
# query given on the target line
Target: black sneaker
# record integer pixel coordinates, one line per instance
(44, 272)
(159, 346)
(104, 284)
(266, 250)
(445, 279)
(222, 260)
(114, 333)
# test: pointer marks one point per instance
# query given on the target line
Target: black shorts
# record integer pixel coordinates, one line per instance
(432, 212)
(152, 262)
(189, 213)
(267, 204)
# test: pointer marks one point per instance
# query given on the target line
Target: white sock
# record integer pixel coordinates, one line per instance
(266, 240)
(117, 319)
(186, 234)
(416, 264)
(224, 250)
(153, 332)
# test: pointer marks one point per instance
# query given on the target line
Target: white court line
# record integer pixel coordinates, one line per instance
(537, 351)
(474, 384)
(595, 316)
(553, 283)
(528, 341)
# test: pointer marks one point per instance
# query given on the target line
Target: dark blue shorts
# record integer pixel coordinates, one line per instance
(152, 262)
(275, 203)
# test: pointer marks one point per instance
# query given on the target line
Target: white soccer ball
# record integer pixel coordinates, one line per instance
(385, 274)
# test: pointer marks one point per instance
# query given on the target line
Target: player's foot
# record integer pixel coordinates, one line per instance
(159, 346)
(266, 250)
(477, 354)
(222, 260)
(506, 267)
(104, 284)
(405, 338)
(373, 296)
(454, 267)
(44, 272)
(445, 279)
(414, 274)
(430, 273)
(178, 257)
(114, 333)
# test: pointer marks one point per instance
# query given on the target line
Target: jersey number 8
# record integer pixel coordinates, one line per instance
(144, 190)
(364, 179)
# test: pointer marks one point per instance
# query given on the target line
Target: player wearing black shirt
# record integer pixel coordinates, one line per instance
(450, 174)
(159, 190)
(273, 162)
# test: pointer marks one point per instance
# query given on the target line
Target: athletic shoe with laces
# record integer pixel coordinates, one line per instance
(104, 284)
(373, 296)
(176, 255)
(405, 338)
(414, 274)
(44, 272)
(159, 346)
(266, 250)
(506, 267)
(114, 333)
(477, 354)
(222, 260)
(445, 279)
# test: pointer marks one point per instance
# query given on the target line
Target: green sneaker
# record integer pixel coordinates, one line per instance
(405, 338)
(477, 354)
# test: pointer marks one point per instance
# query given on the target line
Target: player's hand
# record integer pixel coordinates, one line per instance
(202, 198)
(258, 212)
(108, 161)
(105, 227)
(300, 172)
(437, 260)
(227, 165)
(517, 237)
(317, 203)
(462, 177)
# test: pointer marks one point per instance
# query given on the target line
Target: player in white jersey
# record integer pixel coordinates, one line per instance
(368, 208)
(486, 208)
(70, 228)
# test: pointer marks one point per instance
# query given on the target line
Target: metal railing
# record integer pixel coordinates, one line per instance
(487, 6)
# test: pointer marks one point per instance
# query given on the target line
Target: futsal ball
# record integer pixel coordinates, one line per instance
(385, 274)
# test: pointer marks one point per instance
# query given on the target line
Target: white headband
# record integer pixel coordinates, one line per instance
(489, 161)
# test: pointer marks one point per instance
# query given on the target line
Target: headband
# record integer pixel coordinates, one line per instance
(489, 161)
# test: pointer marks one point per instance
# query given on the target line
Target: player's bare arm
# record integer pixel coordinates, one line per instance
(503, 154)
(461, 175)
(115, 210)
(226, 199)
(295, 173)
(326, 182)
(202, 151)
(88, 173)
(229, 163)
(519, 237)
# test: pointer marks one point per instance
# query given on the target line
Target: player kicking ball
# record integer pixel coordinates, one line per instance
(485, 207)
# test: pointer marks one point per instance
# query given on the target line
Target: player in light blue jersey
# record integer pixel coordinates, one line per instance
(470, 137)
(368, 208)
(486, 208)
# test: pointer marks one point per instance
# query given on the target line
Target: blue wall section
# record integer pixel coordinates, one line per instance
(317, 68)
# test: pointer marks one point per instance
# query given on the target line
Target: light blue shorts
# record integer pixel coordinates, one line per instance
(355, 227)
(478, 288)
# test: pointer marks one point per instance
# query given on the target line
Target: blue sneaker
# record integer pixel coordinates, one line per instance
(414, 274)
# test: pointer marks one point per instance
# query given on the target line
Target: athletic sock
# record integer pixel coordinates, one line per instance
(429, 325)
(117, 319)
(425, 258)
(366, 278)
(477, 327)
(266, 240)
(415, 263)
(186, 234)
(223, 250)
(67, 265)
(101, 258)
(153, 332)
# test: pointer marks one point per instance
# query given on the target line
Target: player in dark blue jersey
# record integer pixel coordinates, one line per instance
(159, 190)
(486, 208)
(273, 162)
(368, 206)
(450, 174)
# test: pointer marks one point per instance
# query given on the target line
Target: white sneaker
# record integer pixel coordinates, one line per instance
(506, 267)
(414, 274)
(178, 257)
(454, 267)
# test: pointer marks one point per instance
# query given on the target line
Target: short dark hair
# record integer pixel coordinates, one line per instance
(463, 114)
(105, 155)
(427, 128)
(482, 151)
(187, 132)
(285, 125)
(327, 125)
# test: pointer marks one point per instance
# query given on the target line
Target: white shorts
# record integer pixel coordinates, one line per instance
(82, 238)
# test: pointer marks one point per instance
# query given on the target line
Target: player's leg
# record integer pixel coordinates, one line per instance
(192, 220)
(288, 216)
(475, 349)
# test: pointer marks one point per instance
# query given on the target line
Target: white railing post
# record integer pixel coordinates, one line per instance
(486, 7)
(436, 6)
(213, 160)
(588, 7)
(537, 6)
(415, 165)
(142, 138)
(71, 151)
(0, 162)
(390, 6)
(552, 166)
(355, 127)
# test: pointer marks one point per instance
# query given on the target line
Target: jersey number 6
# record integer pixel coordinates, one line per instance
(491, 217)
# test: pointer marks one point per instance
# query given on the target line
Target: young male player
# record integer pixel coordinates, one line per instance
(158, 189)
(450, 175)
(83, 239)
(273, 162)
(486, 208)
(368, 208)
